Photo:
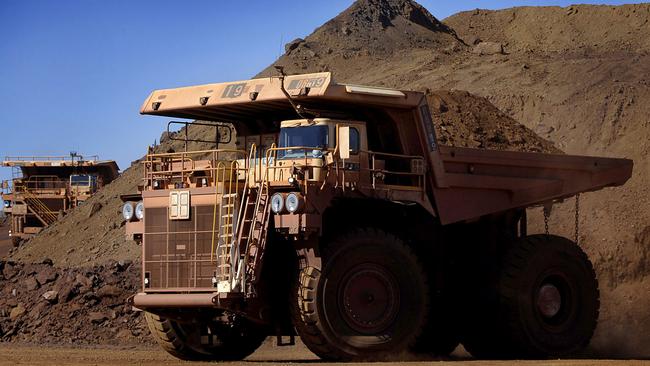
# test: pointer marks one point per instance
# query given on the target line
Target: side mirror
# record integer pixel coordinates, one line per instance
(344, 142)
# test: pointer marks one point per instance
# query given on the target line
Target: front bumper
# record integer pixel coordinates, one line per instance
(146, 301)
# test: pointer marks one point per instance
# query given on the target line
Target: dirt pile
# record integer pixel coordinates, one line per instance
(577, 29)
(40, 303)
(466, 120)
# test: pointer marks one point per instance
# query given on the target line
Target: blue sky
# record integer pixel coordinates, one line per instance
(74, 73)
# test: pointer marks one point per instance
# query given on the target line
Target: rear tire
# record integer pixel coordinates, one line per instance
(15, 242)
(547, 303)
(183, 340)
(370, 302)
(550, 296)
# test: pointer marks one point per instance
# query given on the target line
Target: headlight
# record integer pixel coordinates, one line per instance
(139, 210)
(127, 211)
(277, 203)
(294, 202)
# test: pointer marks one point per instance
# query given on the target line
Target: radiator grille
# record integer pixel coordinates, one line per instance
(177, 252)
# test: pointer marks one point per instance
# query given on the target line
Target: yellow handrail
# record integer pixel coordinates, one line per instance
(41, 208)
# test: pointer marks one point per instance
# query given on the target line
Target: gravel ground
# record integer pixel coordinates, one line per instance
(267, 354)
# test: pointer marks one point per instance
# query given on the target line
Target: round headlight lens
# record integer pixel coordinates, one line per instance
(127, 211)
(139, 210)
(277, 203)
(293, 202)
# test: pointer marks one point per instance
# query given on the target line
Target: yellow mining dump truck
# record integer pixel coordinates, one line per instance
(337, 217)
(44, 187)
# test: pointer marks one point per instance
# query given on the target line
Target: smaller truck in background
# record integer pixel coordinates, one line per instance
(43, 188)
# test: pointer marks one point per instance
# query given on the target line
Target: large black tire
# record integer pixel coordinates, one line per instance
(15, 242)
(183, 340)
(369, 303)
(550, 296)
(548, 302)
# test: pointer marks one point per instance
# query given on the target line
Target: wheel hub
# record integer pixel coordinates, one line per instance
(549, 300)
(370, 299)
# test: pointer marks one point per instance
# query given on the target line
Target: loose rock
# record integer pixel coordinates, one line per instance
(488, 48)
(30, 284)
(51, 296)
(16, 312)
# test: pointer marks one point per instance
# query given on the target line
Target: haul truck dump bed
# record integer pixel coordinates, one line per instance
(45, 187)
(338, 217)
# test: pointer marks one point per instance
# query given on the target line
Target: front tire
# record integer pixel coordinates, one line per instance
(187, 341)
(370, 302)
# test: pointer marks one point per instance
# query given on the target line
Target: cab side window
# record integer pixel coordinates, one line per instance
(354, 140)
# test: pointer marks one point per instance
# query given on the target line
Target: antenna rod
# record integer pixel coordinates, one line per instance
(296, 107)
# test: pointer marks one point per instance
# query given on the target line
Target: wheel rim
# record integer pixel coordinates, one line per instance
(549, 300)
(369, 299)
(554, 301)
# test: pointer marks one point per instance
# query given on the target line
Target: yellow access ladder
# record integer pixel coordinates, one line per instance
(224, 223)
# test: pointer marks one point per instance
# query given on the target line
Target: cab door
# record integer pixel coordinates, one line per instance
(355, 167)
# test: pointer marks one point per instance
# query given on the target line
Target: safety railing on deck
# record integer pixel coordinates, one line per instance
(416, 164)
(181, 167)
(413, 176)
(51, 158)
(40, 185)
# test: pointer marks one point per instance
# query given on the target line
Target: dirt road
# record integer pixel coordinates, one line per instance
(267, 354)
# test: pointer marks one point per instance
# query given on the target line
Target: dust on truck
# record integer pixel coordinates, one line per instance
(338, 218)
(43, 188)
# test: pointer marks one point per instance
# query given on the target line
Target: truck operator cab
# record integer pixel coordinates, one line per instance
(306, 147)
(82, 186)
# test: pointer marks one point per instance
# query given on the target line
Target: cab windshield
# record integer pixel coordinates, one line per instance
(82, 180)
(316, 138)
